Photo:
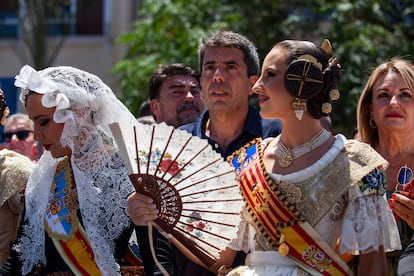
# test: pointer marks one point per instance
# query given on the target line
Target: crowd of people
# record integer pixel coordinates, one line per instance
(316, 203)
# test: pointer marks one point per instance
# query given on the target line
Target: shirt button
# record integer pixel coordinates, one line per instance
(216, 145)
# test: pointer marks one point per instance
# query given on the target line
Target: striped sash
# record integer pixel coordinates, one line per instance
(63, 226)
(77, 254)
(279, 221)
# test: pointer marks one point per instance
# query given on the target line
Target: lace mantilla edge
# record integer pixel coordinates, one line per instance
(86, 107)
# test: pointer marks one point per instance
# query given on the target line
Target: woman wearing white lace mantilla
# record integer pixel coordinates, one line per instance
(75, 220)
(307, 191)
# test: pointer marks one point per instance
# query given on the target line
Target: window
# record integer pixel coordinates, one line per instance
(73, 17)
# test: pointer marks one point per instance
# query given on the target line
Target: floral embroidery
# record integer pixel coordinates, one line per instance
(196, 224)
(166, 163)
(170, 166)
(374, 183)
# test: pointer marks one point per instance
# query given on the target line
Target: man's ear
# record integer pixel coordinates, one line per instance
(155, 108)
(253, 80)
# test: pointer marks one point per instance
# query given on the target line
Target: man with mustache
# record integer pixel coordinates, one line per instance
(175, 94)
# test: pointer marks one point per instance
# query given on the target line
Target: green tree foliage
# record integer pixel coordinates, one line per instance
(363, 34)
(166, 32)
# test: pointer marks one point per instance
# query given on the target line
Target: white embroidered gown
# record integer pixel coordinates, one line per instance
(362, 219)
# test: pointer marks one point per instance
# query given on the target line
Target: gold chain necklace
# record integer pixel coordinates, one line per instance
(288, 155)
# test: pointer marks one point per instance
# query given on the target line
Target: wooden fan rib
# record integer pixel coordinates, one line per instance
(176, 157)
(150, 149)
(207, 191)
(211, 221)
(197, 171)
(164, 151)
(193, 236)
(203, 180)
(212, 212)
(211, 200)
(189, 161)
(136, 150)
(205, 256)
(204, 231)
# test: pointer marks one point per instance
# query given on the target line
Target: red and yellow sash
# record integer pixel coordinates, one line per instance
(77, 254)
(278, 221)
(63, 226)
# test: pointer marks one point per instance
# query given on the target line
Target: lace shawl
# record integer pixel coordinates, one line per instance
(86, 106)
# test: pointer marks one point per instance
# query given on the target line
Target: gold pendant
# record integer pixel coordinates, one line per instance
(286, 159)
(283, 249)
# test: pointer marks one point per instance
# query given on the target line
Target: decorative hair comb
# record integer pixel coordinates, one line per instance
(4, 109)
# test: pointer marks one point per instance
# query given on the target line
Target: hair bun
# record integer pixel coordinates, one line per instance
(304, 78)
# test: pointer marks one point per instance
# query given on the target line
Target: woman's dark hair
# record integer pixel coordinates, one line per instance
(323, 70)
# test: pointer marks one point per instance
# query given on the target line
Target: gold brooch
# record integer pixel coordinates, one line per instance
(283, 247)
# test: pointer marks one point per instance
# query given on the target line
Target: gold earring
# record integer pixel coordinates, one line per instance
(372, 123)
(299, 105)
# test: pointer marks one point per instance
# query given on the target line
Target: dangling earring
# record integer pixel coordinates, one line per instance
(299, 105)
(372, 123)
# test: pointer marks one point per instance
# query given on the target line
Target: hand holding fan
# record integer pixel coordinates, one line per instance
(193, 187)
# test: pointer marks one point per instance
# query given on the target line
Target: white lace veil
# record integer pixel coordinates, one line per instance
(86, 106)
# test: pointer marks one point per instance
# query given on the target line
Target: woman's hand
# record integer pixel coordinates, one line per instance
(141, 209)
(402, 204)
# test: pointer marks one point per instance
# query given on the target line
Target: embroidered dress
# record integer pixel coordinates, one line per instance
(15, 169)
(338, 198)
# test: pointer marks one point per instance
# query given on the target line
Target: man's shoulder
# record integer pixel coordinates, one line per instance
(195, 128)
(270, 127)
(260, 127)
(188, 127)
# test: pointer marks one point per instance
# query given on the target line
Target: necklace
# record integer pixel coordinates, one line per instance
(288, 155)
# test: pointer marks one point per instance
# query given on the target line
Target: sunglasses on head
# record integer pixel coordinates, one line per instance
(21, 135)
(405, 175)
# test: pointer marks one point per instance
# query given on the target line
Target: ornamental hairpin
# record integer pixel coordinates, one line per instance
(4, 109)
(334, 94)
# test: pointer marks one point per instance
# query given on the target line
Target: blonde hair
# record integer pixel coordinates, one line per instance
(368, 131)
(20, 117)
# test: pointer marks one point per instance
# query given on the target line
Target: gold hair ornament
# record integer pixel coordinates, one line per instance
(5, 111)
(327, 47)
(303, 78)
(334, 94)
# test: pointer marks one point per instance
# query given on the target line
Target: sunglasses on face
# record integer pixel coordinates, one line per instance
(405, 175)
(21, 135)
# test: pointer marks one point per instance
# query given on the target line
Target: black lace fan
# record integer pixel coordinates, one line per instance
(192, 186)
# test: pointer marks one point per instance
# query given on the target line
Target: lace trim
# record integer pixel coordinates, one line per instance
(86, 107)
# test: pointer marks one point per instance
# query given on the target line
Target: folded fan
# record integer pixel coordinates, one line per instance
(193, 187)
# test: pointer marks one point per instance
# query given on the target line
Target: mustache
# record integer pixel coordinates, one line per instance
(185, 106)
(217, 85)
